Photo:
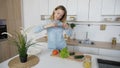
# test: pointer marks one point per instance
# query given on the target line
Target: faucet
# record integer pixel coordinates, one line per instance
(87, 40)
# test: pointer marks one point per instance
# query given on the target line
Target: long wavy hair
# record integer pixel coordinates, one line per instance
(63, 19)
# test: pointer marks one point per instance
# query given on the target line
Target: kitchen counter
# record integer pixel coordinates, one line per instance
(97, 44)
(47, 61)
(104, 45)
(96, 22)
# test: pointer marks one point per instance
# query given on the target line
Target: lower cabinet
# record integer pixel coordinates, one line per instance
(89, 50)
(109, 52)
(73, 48)
(6, 51)
(95, 51)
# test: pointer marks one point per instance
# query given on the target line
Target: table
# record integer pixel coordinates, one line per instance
(48, 61)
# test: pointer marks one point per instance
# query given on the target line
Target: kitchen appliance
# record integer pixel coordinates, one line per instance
(3, 28)
(102, 63)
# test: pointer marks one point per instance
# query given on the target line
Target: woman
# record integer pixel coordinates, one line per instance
(55, 27)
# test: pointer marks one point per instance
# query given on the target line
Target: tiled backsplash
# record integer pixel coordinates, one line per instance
(95, 34)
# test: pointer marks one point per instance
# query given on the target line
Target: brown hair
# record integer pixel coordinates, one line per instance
(63, 19)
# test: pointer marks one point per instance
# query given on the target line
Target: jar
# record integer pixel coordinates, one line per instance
(114, 41)
(72, 18)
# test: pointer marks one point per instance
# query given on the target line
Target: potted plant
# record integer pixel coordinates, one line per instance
(72, 25)
(22, 44)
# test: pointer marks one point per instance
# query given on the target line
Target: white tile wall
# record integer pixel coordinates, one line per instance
(95, 34)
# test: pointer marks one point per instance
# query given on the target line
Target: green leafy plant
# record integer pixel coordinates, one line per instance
(22, 43)
(20, 40)
(72, 25)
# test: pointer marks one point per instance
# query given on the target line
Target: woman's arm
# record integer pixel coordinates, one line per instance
(67, 28)
(44, 25)
(50, 25)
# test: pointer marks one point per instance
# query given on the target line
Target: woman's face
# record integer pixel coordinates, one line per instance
(58, 14)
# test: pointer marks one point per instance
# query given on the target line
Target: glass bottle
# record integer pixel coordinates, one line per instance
(87, 63)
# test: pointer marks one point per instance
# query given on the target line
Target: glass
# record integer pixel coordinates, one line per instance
(87, 62)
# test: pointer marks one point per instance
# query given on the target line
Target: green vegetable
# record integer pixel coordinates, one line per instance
(78, 56)
(72, 25)
(64, 53)
(72, 53)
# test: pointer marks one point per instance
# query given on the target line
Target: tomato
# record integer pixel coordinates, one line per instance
(55, 52)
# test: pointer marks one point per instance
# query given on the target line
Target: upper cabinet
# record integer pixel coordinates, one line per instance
(110, 7)
(43, 7)
(89, 10)
(117, 8)
(71, 6)
(83, 10)
(54, 3)
(31, 11)
(95, 10)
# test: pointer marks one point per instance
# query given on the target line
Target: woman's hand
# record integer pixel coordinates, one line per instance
(50, 25)
(65, 25)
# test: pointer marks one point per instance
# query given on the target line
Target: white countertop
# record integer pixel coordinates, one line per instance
(47, 61)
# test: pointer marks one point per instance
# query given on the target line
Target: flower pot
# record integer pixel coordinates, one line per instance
(23, 59)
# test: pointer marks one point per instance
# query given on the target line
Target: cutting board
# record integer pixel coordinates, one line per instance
(71, 57)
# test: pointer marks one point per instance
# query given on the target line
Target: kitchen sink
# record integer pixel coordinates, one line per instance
(108, 63)
(86, 42)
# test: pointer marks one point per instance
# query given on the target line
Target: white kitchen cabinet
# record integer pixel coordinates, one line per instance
(73, 48)
(83, 10)
(108, 52)
(117, 8)
(70, 48)
(89, 50)
(89, 10)
(30, 12)
(71, 6)
(110, 7)
(54, 3)
(95, 10)
(43, 7)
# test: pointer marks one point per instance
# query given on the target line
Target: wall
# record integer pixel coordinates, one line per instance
(3, 10)
(95, 34)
